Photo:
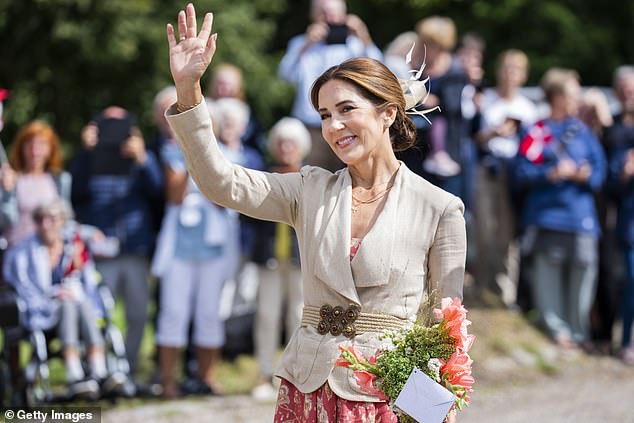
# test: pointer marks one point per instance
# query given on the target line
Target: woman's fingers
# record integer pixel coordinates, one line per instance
(182, 25)
(210, 48)
(191, 21)
(205, 30)
(171, 39)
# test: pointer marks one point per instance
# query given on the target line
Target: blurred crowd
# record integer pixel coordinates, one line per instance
(547, 185)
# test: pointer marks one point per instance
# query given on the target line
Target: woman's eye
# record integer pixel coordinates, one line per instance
(347, 109)
(324, 116)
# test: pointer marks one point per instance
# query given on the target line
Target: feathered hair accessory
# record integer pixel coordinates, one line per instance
(415, 90)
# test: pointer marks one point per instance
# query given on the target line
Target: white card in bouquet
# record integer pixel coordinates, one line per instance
(424, 399)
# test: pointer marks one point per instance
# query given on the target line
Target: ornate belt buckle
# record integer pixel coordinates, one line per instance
(338, 321)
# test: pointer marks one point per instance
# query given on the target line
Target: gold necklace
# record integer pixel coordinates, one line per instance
(355, 208)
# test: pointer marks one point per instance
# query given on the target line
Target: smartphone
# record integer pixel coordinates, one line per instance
(337, 34)
(112, 133)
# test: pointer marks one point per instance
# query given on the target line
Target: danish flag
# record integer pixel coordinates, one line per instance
(533, 144)
(79, 255)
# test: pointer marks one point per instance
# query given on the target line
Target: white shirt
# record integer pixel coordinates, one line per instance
(496, 110)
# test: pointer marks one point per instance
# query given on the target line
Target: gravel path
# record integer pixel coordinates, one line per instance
(585, 391)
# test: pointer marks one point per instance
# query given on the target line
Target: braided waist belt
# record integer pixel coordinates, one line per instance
(349, 321)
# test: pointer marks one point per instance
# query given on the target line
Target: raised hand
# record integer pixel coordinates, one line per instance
(191, 55)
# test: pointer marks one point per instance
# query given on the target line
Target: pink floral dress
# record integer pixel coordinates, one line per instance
(323, 405)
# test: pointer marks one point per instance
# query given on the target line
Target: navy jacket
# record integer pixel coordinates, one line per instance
(119, 205)
(621, 139)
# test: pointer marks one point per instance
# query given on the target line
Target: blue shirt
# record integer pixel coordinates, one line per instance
(562, 206)
(301, 70)
(190, 233)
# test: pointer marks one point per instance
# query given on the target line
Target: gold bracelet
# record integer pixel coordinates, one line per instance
(180, 108)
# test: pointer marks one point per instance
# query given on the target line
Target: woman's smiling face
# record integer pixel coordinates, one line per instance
(353, 126)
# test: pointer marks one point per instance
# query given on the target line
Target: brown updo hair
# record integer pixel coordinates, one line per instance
(375, 82)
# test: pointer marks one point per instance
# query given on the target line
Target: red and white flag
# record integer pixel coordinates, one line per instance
(533, 144)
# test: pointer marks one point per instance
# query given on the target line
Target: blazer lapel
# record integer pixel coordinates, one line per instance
(332, 261)
(372, 264)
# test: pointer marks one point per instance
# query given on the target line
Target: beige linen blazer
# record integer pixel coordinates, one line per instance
(417, 242)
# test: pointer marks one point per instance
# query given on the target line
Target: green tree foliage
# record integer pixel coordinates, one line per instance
(64, 60)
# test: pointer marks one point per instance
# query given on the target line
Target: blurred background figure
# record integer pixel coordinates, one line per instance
(117, 181)
(504, 117)
(196, 253)
(395, 54)
(280, 299)
(33, 176)
(559, 165)
(594, 111)
(227, 81)
(57, 283)
(332, 37)
(621, 141)
(436, 40)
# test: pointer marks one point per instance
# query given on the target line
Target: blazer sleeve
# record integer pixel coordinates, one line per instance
(448, 252)
(263, 195)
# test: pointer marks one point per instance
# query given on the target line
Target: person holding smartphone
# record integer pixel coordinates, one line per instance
(116, 183)
(332, 37)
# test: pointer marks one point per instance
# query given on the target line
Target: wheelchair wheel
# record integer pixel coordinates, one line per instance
(116, 359)
(38, 389)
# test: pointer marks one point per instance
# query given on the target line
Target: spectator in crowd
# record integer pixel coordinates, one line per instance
(193, 260)
(621, 140)
(332, 37)
(277, 255)
(559, 165)
(470, 52)
(34, 176)
(227, 82)
(448, 156)
(436, 40)
(57, 283)
(505, 112)
(231, 117)
(116, 182)
(595, 112)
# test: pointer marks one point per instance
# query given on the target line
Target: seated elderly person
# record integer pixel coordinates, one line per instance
(54, 277)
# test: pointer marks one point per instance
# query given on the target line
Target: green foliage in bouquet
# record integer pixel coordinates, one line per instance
(412, 348)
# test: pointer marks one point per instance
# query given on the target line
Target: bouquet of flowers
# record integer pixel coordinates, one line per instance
(438, 350)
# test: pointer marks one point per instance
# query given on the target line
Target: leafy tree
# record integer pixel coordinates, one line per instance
(64, 60)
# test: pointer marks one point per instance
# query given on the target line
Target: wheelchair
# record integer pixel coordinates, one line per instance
(32, 386)
(10, 373)
(37, 386)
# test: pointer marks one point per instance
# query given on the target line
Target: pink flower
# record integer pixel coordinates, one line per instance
(366, 383)
(453, 317)
(463, 380)
(459, 362)
(349, 356)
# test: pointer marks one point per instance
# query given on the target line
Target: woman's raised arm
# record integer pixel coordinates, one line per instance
(258, 194)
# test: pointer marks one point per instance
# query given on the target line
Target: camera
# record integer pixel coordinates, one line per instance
(112, 133)
(337, 34)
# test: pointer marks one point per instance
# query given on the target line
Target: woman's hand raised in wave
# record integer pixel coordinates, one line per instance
(191, 54)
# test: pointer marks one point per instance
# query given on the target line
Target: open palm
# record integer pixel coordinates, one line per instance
(192, 54)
